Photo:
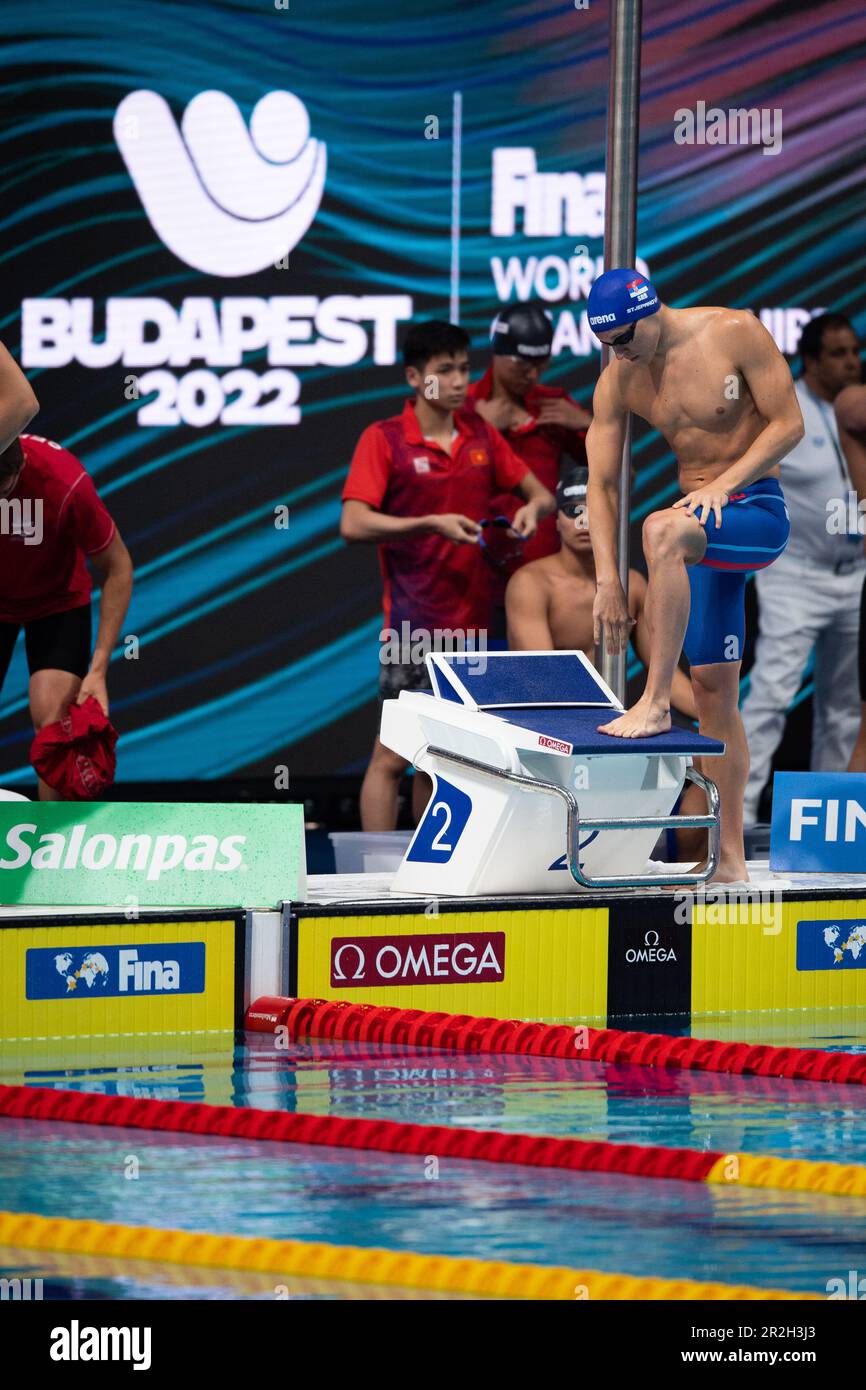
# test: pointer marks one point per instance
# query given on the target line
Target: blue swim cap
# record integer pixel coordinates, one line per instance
(619, 297)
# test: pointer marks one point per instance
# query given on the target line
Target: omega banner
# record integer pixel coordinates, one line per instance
(128, 856)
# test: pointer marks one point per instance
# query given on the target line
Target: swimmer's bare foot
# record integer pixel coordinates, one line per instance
(643, 720)
(728, 870)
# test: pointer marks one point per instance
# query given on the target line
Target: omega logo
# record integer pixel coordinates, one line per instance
(650, 951)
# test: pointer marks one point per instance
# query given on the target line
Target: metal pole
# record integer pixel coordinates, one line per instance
(623, 127)
(456, 173)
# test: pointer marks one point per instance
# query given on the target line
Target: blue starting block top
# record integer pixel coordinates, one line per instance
(579, 727)
(518, 680)
(555, 694)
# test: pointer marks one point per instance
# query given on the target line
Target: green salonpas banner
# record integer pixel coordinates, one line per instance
(115, 853)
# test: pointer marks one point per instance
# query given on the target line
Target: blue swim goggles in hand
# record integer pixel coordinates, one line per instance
(499, 542)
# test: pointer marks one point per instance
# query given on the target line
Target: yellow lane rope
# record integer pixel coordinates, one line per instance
(350, 1262)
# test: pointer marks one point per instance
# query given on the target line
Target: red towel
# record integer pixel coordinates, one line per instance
(76, 755)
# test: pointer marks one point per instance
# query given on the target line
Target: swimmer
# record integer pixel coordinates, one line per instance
(714, 384)
(850, 407)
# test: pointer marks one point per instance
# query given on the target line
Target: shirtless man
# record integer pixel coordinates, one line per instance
(714, 384)
(850, 407)
(549, 601)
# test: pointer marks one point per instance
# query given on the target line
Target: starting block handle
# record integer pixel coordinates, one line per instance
(575, 826)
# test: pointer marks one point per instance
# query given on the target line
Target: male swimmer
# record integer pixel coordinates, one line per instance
(850, 407)
(714, 384)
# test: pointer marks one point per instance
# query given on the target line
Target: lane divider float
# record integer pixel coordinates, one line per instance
(443, 1141)
(373, 1023)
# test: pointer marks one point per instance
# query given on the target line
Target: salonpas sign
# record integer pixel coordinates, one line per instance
(122, 853)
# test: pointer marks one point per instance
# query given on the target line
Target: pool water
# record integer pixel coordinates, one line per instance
(674, 1229)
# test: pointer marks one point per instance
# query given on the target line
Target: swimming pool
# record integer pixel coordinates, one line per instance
(668, 1229)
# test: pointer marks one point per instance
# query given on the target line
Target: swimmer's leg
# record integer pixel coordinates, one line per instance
(717, 691)
(51, 694)
(380, 788)
(672, 540)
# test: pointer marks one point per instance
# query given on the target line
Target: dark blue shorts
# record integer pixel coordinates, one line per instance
(753, 533)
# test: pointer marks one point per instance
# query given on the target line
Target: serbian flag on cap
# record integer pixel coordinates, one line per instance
(76, 755)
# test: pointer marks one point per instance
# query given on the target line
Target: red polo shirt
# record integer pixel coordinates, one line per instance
(541, 448)
(429, 581)
(43, 551)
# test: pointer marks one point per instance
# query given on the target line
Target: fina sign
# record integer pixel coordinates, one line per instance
(126, 855)
(819, 822)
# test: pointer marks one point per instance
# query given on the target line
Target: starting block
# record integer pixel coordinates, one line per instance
(528, 796)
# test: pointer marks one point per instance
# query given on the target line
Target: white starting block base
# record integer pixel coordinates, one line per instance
(528, 796)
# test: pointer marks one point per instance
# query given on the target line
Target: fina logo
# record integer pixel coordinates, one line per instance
(226, 199)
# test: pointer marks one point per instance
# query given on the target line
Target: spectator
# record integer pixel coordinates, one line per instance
(59, 527)
(540, 423)
(809, 598)
(419, 485)
(850, 407)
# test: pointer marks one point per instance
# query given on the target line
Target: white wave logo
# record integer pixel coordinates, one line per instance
(227, 199)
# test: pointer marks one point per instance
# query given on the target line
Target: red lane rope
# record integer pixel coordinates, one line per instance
(371, 1023)
(385, 1136)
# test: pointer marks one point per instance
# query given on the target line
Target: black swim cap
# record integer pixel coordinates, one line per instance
(522, 330)
(571, 489)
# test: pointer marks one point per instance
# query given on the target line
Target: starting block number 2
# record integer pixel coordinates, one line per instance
(444, 821)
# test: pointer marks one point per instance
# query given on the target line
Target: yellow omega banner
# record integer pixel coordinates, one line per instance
(545, 963)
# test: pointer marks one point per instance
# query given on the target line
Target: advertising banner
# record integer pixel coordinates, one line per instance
(126, 854)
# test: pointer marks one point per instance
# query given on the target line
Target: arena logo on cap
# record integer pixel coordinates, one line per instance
(602, 318)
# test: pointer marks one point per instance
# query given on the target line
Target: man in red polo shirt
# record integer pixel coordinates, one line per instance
(419, 485)
(53, 526)
(540, 423)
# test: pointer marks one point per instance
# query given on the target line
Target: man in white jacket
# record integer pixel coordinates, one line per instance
(809, 598)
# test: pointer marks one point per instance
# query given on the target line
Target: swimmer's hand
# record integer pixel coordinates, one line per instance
(94, 684)
(502, 413)
(703, 501)
(611, 619)
(559, 410)
(525, 520)
(454, 527)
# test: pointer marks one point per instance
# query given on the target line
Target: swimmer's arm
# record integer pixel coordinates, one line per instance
(605, 441)
(359, 521)
(769, 380)
(850, 407)
(536, 494)
(113, 570)
(682, 695)
(18, 403)
(526, 614)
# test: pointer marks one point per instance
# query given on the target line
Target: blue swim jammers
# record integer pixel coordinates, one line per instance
(754, 532)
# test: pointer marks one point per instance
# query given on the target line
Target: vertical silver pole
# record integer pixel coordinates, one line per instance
(623, 127)
(456, 160)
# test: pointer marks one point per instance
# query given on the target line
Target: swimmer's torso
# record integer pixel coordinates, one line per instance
(569, 605)
(696, 397)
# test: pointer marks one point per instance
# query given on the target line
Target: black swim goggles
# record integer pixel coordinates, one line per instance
(623, 338)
